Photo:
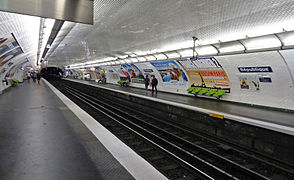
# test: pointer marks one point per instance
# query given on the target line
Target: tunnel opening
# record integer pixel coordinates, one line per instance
(51, 73)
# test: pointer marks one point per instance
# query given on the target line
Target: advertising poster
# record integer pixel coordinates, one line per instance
(249, 82)
(99, 73)
(20, 65)
(215, 78)
(192, 72)
(134, 73)
(8, 56)
(121, 72)
(111, 74)
(11, 72)
(212, 73)
(171, 72)
(244, 83)
(9, 48)
(146, 68)
(206, 72)
(7, 43)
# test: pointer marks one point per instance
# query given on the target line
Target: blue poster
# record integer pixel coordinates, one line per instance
(170, 71)
(132, 70)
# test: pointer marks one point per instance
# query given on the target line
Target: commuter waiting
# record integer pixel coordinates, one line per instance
(154, 83)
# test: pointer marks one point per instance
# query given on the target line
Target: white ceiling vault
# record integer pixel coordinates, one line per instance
(25, 29)
(147, 26)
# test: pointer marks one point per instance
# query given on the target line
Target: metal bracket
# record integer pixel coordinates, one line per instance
(245, 49)
(282, 43)
(218, 52)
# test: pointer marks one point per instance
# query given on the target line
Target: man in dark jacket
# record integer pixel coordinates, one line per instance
(147, 81)
(154, 83)
(38, 77)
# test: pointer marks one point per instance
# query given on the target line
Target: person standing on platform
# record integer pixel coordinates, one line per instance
(39, 77)
(147, 81)
(154, 83)
(28, 76)
(34, 76)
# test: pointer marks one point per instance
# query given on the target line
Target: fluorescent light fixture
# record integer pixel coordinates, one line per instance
(150, 58)
(185, 53)
(266, 42)
(79, 64)
(133, 55)
(47, 28)
(173, 55)
(141, 59)
(264, 30)
(128, 60)
(206, 50)
(160, 56)
(134, 59)
(179, 45)
(105, 59)
(262, 42)
(287, 38)
(122, 57)
(233, 46)
(232, 36)
(141, 53)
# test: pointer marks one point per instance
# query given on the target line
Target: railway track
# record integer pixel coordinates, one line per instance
(176, 152)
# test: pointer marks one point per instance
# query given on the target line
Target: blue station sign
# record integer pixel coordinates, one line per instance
(255, 69)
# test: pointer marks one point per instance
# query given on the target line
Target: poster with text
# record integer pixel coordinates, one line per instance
(9, 55)
(121, 72)
(171, 73)
(7, 43)
(146, 68)
(192, 72)
(206, 72)
(212, 72)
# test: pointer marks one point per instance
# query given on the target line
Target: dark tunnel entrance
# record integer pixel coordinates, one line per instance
(52, 72)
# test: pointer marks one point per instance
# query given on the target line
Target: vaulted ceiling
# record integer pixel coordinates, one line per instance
(124, 27)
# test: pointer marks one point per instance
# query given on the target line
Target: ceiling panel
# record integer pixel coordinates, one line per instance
(136, 26)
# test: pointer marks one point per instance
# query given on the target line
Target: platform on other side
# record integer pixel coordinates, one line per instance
(262, 117)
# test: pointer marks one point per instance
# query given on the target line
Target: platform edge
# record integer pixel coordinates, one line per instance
(138, 167)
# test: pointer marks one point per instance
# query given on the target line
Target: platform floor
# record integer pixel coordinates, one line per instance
(279, 119)
(40, 138)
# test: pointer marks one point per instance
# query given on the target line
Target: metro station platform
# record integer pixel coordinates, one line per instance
(41, 138)
(272, 119)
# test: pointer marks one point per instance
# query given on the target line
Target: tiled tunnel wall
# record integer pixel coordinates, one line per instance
(278, 93)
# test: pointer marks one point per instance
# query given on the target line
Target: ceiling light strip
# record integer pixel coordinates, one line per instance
(216, 46)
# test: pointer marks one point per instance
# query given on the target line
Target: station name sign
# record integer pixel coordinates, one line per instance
(255, 69)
